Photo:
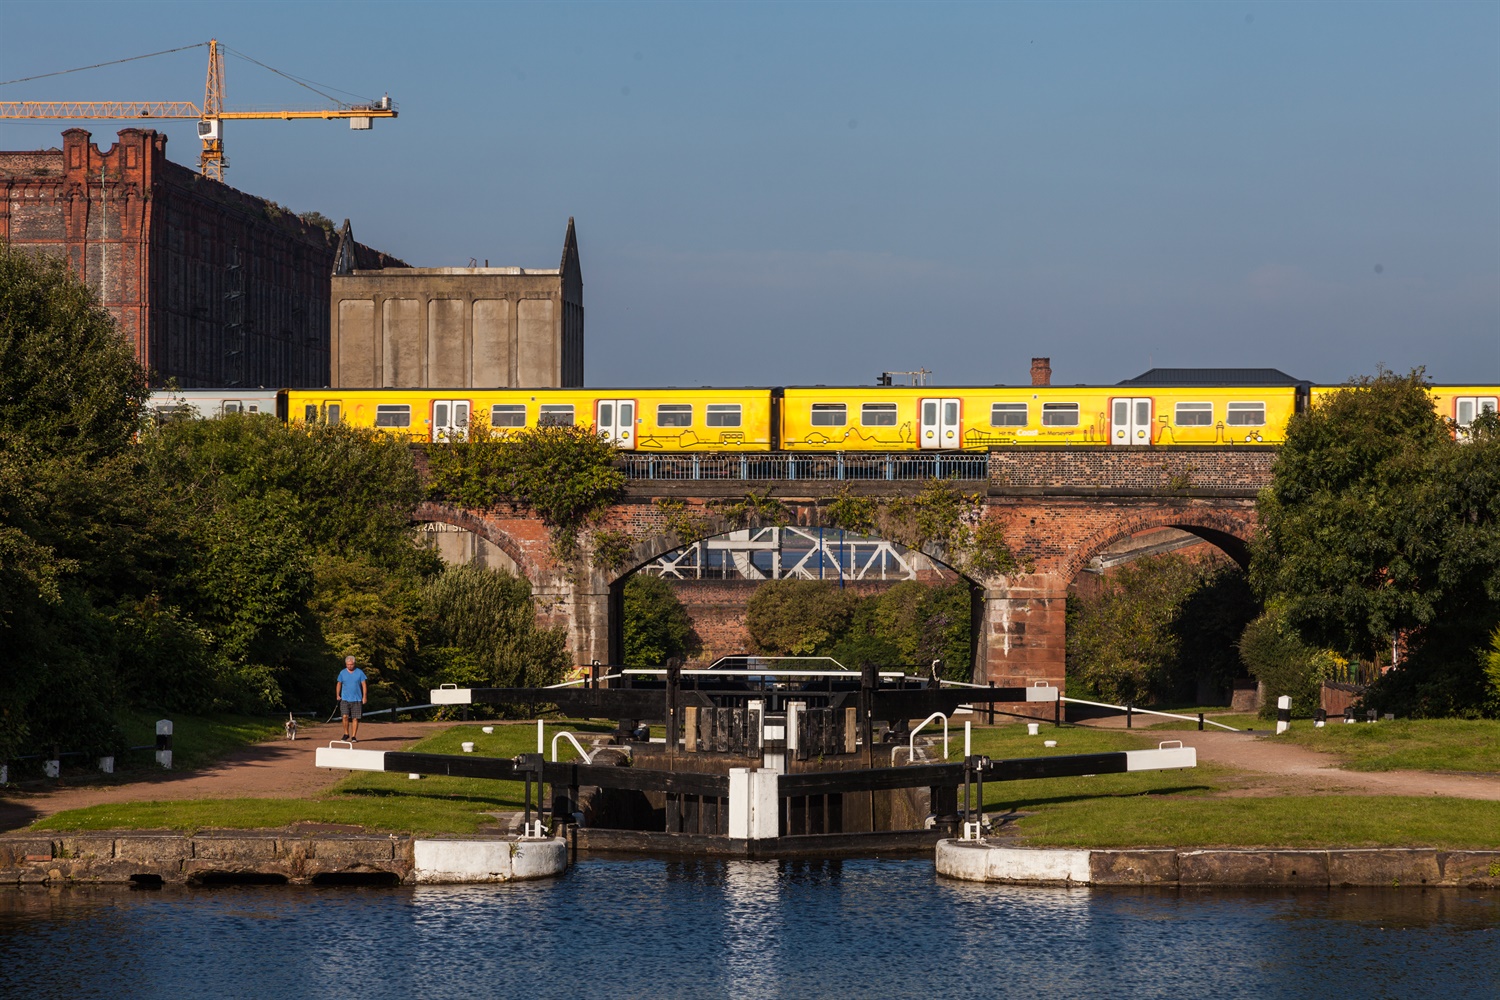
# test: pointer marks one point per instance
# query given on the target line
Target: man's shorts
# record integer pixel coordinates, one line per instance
(352, 709)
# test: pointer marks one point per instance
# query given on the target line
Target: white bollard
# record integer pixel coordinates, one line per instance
(1283, 714)
(486, 729)
(468, 747)
(4, 774)
(414, 777)
(967, 751)
(541, 746)
(107, 765)
(1033, 729)
(51, 768)
(164, 743)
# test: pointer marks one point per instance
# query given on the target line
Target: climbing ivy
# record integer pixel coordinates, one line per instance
(753, 510)
(565, 474)
(611, 548)
(941, 514)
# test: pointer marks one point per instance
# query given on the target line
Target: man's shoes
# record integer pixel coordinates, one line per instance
(346, 736)
(353, 739)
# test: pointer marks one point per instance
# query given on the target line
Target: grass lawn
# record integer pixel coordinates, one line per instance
(1407, 744)
(375, 800)
(1142, 809)
(196, 739)
(1156, 820)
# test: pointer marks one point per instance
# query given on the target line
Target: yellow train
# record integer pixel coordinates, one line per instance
(855, 418)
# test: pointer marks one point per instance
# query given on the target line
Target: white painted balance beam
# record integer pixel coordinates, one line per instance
(346, 758)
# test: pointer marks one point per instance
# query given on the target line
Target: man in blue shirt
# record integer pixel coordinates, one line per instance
(351, 688)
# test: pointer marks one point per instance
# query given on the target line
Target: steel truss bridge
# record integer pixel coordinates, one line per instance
(793, 553)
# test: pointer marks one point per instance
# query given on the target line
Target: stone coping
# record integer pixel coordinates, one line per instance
(163, 858)
(980, 861)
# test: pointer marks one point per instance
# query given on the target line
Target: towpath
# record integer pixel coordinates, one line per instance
(1296, 769)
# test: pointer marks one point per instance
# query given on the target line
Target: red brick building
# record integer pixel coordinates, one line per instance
(213, 287)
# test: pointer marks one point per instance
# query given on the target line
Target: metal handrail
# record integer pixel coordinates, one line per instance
(1147, 711)
(911, 750)
(580, 680)
(588, 758)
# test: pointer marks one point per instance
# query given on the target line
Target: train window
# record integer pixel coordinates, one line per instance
(877, 414)
(387, 415)
(1008, 415)
(674, 415)
(253, 408)
(310, 414)
(1466, 408)
(556, 415)
(1059, 414)
(333, 414)
(508, 415)
(1246, 415)
(723, 415)
(1194, 414)
(233, 406)
(829, 414)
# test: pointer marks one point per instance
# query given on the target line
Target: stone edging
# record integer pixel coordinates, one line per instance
(171, 858)
(985, 862)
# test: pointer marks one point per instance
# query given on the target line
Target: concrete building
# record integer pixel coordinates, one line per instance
(481, 327)
(212, 286)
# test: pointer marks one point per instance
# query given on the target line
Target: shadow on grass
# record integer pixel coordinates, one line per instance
(1054, 800)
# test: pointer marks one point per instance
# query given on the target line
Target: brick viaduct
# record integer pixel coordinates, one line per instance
(1059, 507)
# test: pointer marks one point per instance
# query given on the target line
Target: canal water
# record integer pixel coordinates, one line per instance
(671, 928)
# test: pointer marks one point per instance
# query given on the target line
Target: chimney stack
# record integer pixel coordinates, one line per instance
(1041, 371)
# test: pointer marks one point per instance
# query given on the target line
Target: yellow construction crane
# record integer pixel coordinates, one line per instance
(211, 116)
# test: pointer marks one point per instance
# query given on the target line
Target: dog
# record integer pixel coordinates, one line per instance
(290, 726)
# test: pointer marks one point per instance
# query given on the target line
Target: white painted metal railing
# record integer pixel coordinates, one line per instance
(588, 758)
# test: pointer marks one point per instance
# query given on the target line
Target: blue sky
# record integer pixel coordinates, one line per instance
(793, 193)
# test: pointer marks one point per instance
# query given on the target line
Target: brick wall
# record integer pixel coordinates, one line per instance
(165, 249)
(1158, 471)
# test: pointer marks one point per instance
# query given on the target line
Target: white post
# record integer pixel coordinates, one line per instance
(968, 751)
(794, 710)
(52, 768)
(541, 738)
(753, 812)
(4, 774)
(1283, 714)
(164, 742)
(107, 765)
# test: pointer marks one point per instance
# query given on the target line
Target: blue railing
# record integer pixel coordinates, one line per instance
(809, 467)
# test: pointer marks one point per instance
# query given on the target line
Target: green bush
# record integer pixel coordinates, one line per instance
(481, 627)
(1277, 657)
(656, 625)
(1160, 628)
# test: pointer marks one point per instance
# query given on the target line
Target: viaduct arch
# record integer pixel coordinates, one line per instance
(1059, 508)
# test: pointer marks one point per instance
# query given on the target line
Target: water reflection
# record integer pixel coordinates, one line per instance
(713, 927)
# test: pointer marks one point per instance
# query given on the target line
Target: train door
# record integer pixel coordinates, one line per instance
(939, 422)
(1130, 421)
(450, 419)
(615, 420)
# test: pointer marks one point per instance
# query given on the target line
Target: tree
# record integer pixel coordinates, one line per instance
(480, 630)
(1379, 523)
(69, 383)
(1160, 628)
(798, 617)
(656, 625)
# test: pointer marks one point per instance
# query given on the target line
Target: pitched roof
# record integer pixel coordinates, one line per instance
(1212, 376)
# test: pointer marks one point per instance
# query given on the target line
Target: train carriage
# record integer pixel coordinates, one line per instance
(653, 420)
(877, 418)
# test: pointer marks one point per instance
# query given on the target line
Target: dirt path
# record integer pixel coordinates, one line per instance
(1302, 771)
(277, 769)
